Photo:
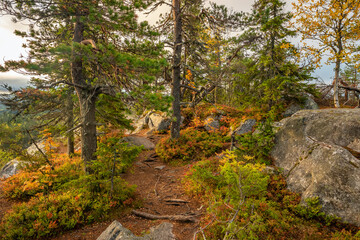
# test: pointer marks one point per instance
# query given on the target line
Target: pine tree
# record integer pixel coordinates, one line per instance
(98, 49)
(271, 74)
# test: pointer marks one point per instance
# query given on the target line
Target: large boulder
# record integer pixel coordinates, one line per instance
(154, 121)
(245, 127)
(159, 122)
(116, 231)
(317, 151)
(13, 167)
(212, 123)
(139, 141)
(10, 169)
(32, 149)
(294, 107)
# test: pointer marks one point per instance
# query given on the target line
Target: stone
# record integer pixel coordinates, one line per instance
(32, 150)
(13, 167)
(158, 122)
(309, 104)
(139, 122)
(312, 149)
(160, 167)
(244, 128)
(355, 145)
(154, 121)
(139, 125)
(139, 141)
(116, 231)
(212, 123)
(270, 170)
(161, 232)
(10, 169)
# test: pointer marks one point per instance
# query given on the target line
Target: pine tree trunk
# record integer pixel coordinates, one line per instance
(176, 71)
(88, 130)
(87, 98)
(336, 84)
(70, 123)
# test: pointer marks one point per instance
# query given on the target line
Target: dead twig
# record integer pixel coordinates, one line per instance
(39, 149)
(201, 230)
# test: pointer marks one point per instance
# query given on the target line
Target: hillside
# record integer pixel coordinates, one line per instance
(199, 123)
(206, 190)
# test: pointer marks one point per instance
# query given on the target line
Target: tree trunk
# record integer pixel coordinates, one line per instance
(88, 130)
(336, 83)
(70, 123)
(176, 71)
(87, 98)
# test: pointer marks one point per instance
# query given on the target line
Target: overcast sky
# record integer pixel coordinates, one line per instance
(10, 45)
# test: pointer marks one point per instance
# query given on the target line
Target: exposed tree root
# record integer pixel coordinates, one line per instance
(180, 218)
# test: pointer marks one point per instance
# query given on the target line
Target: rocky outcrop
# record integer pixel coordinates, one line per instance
(116, 231)
(159, 122)
(245, 127)
(139, 141)
(10, 169)
(153, 121)
(32, 149)
(318, 150)
(212, 123)
(13, 167)
(294, 107)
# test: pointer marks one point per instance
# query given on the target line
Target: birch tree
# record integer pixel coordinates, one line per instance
(335, 26)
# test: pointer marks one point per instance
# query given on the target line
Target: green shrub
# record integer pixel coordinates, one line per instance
(65, 197)
(245, 203)
(5, 157)
(258, 144)
(193, 144)
(47, 215)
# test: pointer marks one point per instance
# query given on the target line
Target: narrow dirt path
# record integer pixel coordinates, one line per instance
(157, 183)
(5, 204)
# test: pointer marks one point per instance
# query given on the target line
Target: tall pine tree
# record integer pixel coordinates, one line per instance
(99, 48)
(272, 74)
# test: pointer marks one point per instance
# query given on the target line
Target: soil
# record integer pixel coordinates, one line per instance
(156, 183)
(5, 204)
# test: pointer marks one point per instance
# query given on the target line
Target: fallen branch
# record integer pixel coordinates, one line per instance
(180, 218)
(201, 230)
(176, 201)
(350, 88)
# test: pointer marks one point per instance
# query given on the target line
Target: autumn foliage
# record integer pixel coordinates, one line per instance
(54, 200)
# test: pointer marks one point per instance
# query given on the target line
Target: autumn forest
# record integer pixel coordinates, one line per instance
(194, 99)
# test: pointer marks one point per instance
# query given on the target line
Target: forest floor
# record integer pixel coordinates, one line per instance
(157, 183)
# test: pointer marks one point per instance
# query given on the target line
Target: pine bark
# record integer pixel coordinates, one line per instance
(87, 98)
(176, 70)
(70, 123)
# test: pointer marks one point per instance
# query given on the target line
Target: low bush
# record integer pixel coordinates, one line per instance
(246, 203)
(5, 157)
(65, 197)
(193, 145)
(257, 144)
(47, 215)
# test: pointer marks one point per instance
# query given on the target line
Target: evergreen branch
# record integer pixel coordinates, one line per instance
(191, 88)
